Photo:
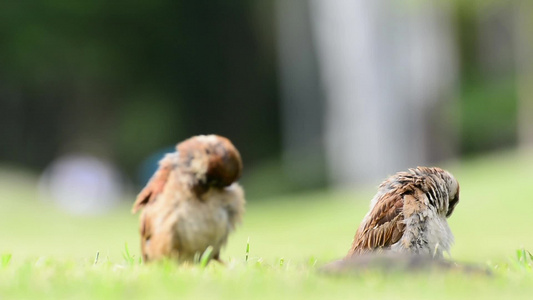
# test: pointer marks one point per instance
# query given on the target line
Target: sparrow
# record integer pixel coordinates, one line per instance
(409, 214)
(192, 202)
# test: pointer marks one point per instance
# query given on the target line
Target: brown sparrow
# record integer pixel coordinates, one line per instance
(192, 201)
(408, 214)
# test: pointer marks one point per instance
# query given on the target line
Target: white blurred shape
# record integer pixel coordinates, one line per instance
(81, 184)
(386, 67)
(301, 105)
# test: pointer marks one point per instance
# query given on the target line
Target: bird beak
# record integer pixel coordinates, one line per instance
(452, 205)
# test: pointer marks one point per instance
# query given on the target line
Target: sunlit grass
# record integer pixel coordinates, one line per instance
(276, 253)
(257, 279)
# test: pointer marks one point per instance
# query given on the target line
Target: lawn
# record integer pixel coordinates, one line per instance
(49, 254)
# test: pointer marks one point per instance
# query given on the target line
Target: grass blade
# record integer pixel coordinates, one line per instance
(206, 256)
(6, 258)
(247, 249)
(127, 256)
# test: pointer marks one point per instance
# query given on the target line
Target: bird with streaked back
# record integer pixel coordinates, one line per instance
(409, 214)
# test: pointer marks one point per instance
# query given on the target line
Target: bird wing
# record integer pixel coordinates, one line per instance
(235, 204)
(158, 235)
(156, 184)
(146, 234)
(383, 226)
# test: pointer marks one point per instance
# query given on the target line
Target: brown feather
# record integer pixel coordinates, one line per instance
(192, 201)
(156, 184)
(383, 226)
(406, 205)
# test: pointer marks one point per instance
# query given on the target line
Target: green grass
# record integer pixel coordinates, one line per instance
(45, 253)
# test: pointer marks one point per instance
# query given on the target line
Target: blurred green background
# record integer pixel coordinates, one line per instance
(492, 222)
(122, 82)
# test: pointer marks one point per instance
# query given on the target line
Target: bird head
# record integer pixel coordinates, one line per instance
(444, 182)
(211, 160)
(453, 192)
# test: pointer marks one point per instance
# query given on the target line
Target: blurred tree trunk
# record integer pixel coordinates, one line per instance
(524, 66)
(389, 71)
(302, 110)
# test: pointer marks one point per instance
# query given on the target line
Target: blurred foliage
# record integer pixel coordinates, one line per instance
(488, 115)
(488, 96)
(121, 75)
(127, 79)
